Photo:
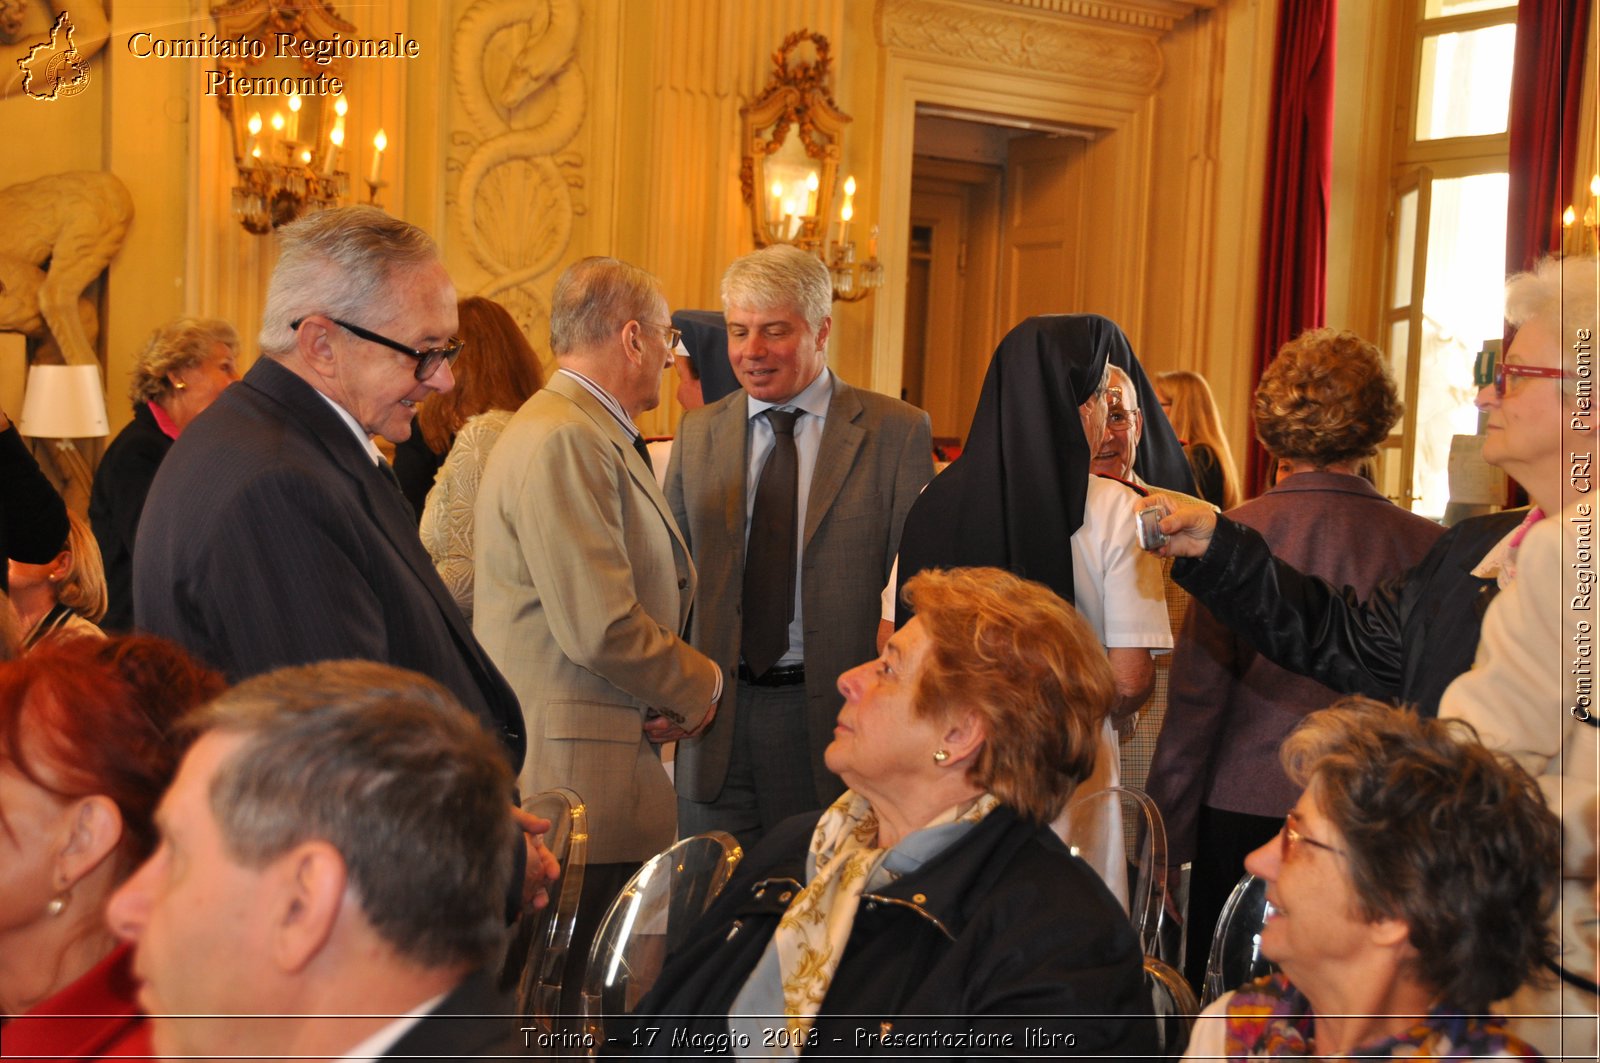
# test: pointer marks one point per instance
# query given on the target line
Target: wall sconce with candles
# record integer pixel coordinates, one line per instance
(793, 139)
(1584, 240)
(291, 147)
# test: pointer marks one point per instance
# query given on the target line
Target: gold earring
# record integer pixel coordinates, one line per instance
(940, 756)
(178, 385)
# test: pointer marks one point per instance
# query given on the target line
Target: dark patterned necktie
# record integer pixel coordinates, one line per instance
(644, 452)
(388, 474)
(769, 564)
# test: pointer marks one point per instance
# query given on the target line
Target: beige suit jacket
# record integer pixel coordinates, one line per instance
(584, 586)
(875, 455)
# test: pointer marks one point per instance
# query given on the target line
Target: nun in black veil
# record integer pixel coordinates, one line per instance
(1021, 497)
(705, 337)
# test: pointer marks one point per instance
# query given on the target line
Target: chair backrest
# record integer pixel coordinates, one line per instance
(1092, 828)
(1175, 1006)
(539, 944)
(649, 920)
(1236, 945)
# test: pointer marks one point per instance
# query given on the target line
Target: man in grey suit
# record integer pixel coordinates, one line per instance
(792, 493)
(583, 581)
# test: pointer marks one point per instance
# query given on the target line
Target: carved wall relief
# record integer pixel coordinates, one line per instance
(993, 35)
(516, 77)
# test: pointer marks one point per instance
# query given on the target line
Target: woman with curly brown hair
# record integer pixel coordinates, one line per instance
(1411, 885)
(1322, 408)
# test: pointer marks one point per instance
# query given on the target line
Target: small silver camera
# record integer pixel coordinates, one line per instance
(1151, 537)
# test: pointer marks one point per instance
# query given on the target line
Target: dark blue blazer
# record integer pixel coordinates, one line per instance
(270, 538)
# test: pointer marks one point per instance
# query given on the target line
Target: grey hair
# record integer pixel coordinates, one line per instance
(1563, 294)
(177, 345)
(777, 277)
(388, 768)
(594, 298)
(337, 262)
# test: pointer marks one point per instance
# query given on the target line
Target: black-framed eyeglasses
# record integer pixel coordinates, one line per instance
(1290, 837)
(1491, 370)
(427, 361)
(672, 333)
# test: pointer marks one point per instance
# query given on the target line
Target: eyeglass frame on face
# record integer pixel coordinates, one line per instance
(427, 361)
(673, 334)
(1496, 371)
(1289, 837)
(1119, 416)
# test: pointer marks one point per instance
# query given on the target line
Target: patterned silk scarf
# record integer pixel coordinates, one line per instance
(1270, 1019)
(813, 933)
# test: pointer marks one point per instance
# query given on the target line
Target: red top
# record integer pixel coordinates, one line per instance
(95, 1017)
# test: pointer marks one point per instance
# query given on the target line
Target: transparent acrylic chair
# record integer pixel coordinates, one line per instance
(1175, 1006)
(1092, 828)
(1236, 945)
(539, 944)
(649, 919)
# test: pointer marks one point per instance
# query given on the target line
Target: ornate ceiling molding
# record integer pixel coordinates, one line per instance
(1050, 36)
(1159, 15)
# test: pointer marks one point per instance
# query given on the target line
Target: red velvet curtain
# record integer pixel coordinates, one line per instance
(1294, 231)
(1546, 92)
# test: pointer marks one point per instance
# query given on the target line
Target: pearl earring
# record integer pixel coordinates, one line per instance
(58, 904)
(940, 756)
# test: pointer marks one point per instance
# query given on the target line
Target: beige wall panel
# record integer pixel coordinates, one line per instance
(1224, 355)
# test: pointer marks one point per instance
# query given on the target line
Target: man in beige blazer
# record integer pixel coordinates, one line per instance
(858, 460)
(583, 581)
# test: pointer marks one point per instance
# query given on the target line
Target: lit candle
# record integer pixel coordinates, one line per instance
(379, 143)
(330, 162)
(294, 118)
(254, 126)
(872, 242)
(812, 184)
(846, 212)
(1568, 216)
(849, 187)
(340, 105)
(775, 211)
(1594, 185)
(276, 134)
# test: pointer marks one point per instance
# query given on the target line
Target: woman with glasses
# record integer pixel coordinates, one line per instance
(1409, 887)
(497, 372)
(1323, 407)
(1416, 632)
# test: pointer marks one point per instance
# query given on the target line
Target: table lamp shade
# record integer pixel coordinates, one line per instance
(63, 402)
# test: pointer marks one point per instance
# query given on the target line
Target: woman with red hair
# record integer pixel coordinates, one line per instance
(89, 740)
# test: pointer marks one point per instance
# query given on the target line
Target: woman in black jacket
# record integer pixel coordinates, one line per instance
(183, 368)
(930, 910)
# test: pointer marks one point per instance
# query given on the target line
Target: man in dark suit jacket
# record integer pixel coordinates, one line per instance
(859, 460)
(285, 912)
(274, 533)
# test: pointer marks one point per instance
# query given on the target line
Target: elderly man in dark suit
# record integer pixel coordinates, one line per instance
(274, 533)
(792, 493)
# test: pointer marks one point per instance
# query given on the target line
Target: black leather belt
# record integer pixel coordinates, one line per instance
(782, 675)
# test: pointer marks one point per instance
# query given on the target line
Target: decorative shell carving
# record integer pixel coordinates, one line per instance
(525, 100)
